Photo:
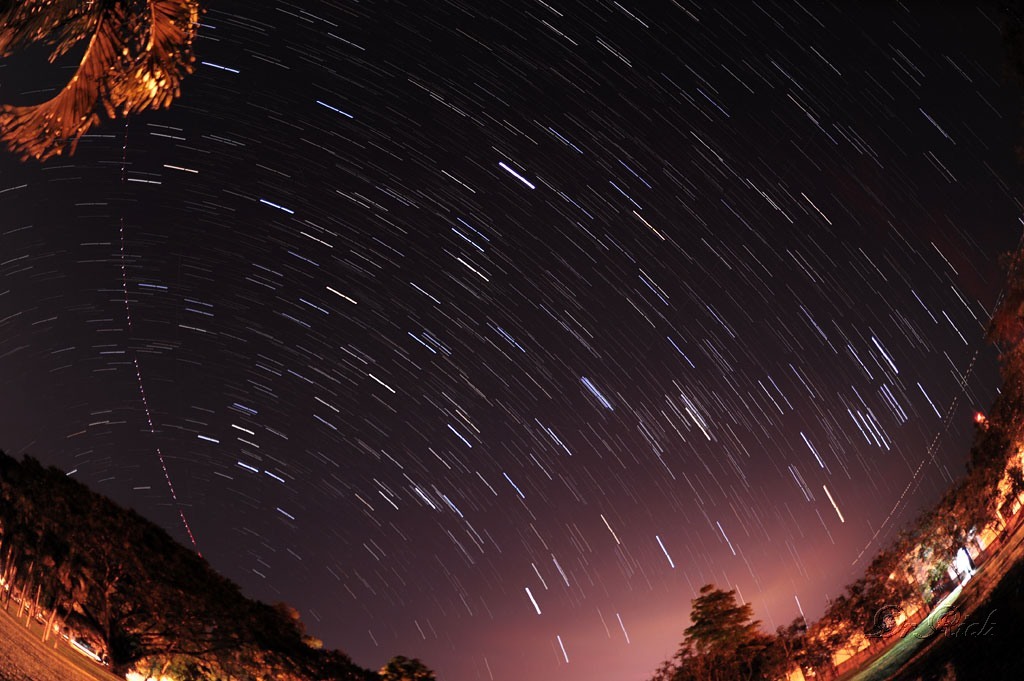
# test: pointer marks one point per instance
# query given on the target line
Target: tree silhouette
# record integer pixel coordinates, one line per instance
(888, 586)
(107, 575)
(1015, 476)
(137, 53)
(719, 624)
(724, 643)
(401, 668)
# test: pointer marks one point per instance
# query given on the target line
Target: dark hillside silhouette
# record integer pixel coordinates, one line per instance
(94, 570)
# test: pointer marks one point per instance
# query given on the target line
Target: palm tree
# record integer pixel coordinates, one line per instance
(137, 54)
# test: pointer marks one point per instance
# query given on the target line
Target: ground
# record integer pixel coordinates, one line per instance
(991, 652)
(980, 639)
(24, 657)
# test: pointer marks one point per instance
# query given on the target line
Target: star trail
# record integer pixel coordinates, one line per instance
(487, 333)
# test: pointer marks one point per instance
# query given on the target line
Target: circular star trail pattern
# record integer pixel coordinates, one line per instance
(488, 333)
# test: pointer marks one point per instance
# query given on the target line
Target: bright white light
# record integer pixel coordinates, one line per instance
(533, 600)
(963, 564)
(562, 646)
(516, 175)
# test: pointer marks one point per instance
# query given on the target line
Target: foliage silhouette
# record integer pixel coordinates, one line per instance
(105, 574)
(401, 668)
(723, 642)
(137, 53)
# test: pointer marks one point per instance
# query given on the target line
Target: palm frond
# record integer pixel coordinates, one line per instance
(153, 78)
(74, 31)
(44, 130)
(138, 54)
(23, 22)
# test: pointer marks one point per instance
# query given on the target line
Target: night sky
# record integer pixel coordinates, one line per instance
(488, 332)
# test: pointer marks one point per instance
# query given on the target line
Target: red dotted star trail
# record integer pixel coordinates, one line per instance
(135, 360)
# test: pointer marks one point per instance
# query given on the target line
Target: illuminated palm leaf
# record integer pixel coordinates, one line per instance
(138, 53)
(51, 21)
(163, 60)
